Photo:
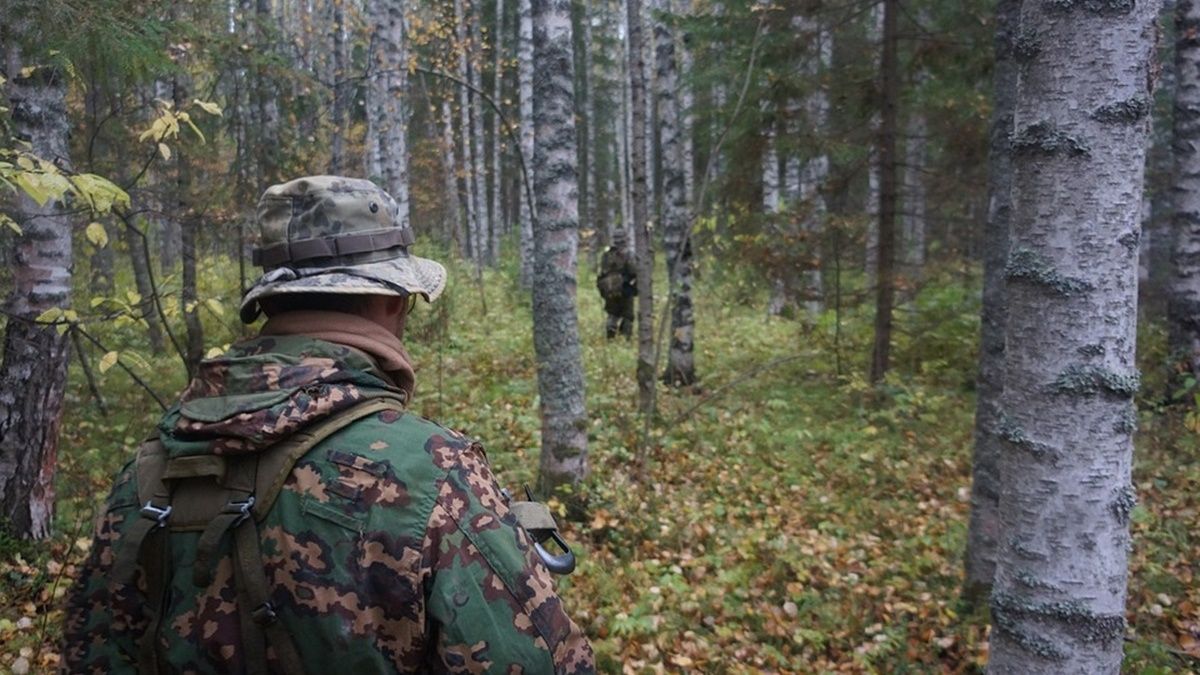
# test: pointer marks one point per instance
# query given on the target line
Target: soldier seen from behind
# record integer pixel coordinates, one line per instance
(290, 515)
(617, 283)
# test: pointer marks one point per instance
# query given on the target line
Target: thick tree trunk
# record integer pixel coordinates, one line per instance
(884, 277)
(525, 96)
(1183, 308)
(643, 247)
(814, 171)
(676, 220)
(387, 96)
(33, 372)
(983, 531)
(556, 239)
(1067, 416)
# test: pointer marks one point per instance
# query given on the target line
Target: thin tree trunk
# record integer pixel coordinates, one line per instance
(915, 156)
(479, 147)
(474, 221)
(1183, 308)
(983, 530)
(643, 247)
(885, 282)
(454, 203)
(1067, 415)
(341, 63)
(875, 20)
(525, 96)
(556, 239)
(266, 92)
(497, 185)
(188, 224)
(33, 372)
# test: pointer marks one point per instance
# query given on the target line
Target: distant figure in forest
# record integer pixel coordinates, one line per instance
(290, 515)
(617, 283)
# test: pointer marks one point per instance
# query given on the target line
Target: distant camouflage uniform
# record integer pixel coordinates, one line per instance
(389, 548)
(617, 283)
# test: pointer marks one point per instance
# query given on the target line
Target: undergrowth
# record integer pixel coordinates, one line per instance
(789, 518)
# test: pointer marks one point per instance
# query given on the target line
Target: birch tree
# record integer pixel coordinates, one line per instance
(525, 99)
(1067, 416)
(1183, 308)
(556, 240)
(640, 205)
(983, 529)
(33, 372)
(387, 110)
(676, 218)
(885, 283)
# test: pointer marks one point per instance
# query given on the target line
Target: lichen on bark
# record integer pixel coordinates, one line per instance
(1025, 265)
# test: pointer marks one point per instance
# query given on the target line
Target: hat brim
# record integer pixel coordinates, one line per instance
(412, 274)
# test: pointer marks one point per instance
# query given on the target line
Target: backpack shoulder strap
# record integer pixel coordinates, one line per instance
(275, 465)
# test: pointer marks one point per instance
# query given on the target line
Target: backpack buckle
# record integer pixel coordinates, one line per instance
(157, 514)
(241, 508)
(264, 614)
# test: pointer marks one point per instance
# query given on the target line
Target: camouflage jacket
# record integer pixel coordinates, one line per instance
(389, 549)
(616, 263)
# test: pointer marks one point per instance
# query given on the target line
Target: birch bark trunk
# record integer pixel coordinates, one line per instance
(478, 146)
(474, 222)
(341, 62)
(983, 529)
(884, 281)
(1067, 417)
(498, 139)
(643, 247)
(33, 372)
(387, 107)
(525, 97)
(1183, 308)
(556, 240)
(681, 369)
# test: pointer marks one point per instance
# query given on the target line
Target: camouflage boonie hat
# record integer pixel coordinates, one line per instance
(330, 234)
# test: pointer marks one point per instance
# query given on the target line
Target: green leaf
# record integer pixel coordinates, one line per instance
(97, 235)
(108, 361)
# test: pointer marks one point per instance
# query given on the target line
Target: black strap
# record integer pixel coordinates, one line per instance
(232, 515)
(259, 622)
(331, 247)
(156, 561)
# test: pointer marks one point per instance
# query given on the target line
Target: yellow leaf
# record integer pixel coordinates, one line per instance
(10, 223)
(51, 315)
(108, 361)
(27, 71)
(164, 151)
(209, 107)
(97, 235)
(214, 307)
(213, 353)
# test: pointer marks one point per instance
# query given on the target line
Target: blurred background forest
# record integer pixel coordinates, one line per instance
(779, 471)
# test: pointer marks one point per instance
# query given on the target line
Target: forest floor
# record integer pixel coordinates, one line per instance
(787, 518)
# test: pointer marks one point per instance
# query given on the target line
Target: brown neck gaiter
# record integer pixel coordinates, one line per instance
(353, 331)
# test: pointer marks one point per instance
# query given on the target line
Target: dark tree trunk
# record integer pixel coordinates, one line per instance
(983, 532)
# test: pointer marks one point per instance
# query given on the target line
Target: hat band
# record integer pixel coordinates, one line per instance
(335, 249)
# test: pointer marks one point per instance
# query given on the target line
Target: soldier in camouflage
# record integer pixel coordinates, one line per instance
(617, 283)
(384, 545)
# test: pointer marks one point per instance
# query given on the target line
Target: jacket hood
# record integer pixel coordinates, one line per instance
(264, 390)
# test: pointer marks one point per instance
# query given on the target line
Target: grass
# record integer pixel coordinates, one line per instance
(797, 520)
